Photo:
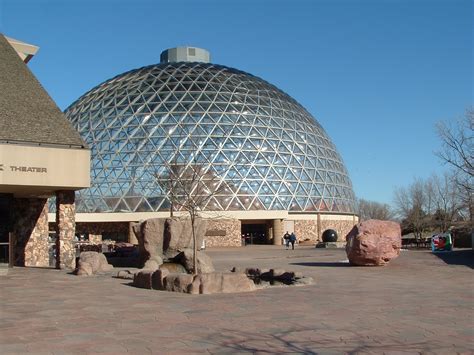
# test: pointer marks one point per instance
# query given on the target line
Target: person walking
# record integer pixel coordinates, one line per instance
(286, 239)
(292, 240)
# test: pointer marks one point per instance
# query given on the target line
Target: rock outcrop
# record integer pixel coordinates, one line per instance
(203, 261)
(221, 282)
(373, 243)
(162, 239)
(90, 263)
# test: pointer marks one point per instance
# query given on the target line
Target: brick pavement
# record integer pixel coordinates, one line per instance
(416, 304)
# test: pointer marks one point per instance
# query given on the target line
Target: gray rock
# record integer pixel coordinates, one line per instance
(178, 233)
(125, 274)
(177, 282)
(142, 279)
(149, 234)
(219, 282)
(90, 263)
(204, 263)
(153, 263)
(173, 268)
(157, 279)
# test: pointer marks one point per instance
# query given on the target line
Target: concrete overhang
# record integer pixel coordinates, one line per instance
(27, 171)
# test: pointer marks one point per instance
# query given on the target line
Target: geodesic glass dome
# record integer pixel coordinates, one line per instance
(267, 149)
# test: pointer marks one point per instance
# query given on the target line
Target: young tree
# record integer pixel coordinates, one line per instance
(189, 187)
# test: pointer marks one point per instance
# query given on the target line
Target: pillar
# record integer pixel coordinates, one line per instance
(65, 229)
(277, 231)
(29, 241)
(318, 227)
(132, 238)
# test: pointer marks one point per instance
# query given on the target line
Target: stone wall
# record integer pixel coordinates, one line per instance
(309, 228)
(65, 229)
(30, 230)
(341, 227)
(223, 232)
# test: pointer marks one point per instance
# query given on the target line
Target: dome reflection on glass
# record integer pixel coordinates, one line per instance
(249, 134)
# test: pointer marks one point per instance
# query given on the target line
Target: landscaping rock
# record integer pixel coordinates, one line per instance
(125, 274)
(149, 234)
(373, 243)
(142, 279)
(90, 263)
(204, 263)
(154, 263)
(160, 238)
(178, 234)
(157, 279)
(173, 268)
(219, 282)
(178, 282)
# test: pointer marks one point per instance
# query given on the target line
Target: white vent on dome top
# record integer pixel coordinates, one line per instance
(185, 54)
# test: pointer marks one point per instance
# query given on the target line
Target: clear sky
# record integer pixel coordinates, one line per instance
(377, 74)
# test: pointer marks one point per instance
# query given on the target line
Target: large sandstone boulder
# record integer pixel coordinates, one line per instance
(149, 234)
(220, 282)
(203, 261)
(90, 263)
(164, 238)
(178, 234)
(373, 243)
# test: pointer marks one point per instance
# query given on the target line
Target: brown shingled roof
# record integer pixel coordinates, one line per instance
(27, 113)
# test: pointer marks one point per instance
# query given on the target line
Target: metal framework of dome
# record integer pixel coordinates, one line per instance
(269, 151)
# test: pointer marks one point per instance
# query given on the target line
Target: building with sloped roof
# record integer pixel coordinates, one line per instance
(41, 155)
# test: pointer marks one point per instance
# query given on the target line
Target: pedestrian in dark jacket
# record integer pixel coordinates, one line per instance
(286, 238)
(292, 240)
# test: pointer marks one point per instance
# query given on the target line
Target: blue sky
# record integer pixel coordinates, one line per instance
(377, 74)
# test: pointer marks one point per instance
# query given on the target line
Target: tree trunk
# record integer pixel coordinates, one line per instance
(193, 219)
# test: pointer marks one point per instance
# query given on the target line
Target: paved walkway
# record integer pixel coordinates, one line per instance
(417, 304)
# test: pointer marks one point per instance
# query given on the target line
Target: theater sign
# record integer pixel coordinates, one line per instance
(22, 168)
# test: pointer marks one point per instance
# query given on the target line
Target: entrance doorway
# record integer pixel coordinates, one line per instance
(5, 208)
(254, 233)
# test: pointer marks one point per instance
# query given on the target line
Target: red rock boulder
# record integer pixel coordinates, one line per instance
(373, 243)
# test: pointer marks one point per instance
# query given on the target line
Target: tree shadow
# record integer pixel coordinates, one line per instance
(324, 264)
(458, 257)
(296, 340)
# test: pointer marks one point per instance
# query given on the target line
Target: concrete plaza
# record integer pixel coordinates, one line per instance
(419, 303)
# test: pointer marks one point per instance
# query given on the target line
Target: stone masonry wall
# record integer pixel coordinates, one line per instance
(30, 230)
(223, 233)
(308, 229)
(341, 227)
(66, 229)
(96, 229)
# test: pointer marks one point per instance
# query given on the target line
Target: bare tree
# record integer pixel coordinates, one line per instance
(410, 204)
(189, 186)
(458, 152)
(373, 210)
(446, 198)
(458, 144)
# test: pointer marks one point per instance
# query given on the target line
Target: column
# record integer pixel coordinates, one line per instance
(132, 238)
(277, 231)
(65, 229)
(30, 232)
(318, 227)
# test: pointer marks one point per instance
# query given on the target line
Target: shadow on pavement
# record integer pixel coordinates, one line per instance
(458, 257)
(324, 264)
